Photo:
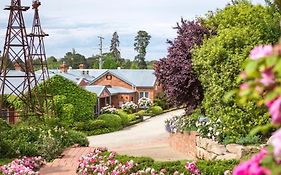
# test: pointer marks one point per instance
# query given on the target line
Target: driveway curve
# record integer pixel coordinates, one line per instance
(148, 138)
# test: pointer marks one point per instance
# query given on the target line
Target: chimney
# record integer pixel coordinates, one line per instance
(81, 66)
(63, 68)
(18, 67)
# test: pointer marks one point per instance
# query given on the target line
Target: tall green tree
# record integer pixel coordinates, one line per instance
(141, 42)
(73, 59)
(114, 46)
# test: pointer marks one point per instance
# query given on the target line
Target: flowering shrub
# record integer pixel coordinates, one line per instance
(38, 141)
(180, 124)
(129, 107)
(262, 82)
(108, 110)
(102, 162)
(210, 129)
(26, 165)
(144, 102)
(191, 167)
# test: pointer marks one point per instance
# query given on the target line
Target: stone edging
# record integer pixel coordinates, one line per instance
(207, 149)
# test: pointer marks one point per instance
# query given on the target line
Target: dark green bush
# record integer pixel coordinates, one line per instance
(4, 125)
(112, 121)
(76, 137)
(248, 140)
(124, 116)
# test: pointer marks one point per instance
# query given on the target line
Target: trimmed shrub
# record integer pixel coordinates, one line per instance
(124, 117)
(82, 100)
(112, 121)
(162, 101)
(156, 110)
(132, 117)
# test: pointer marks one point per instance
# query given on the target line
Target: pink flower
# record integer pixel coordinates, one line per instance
(252, 166)
(244, 86)
(275, 110)
(261, 51)
(268, 77)
(276, 143)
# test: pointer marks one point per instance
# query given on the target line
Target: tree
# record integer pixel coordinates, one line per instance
(175, 72)
(52, 63)
(276, 4)
(218, 63)
(141, 43)
(109, 61)
(114, 46)
(73, 59)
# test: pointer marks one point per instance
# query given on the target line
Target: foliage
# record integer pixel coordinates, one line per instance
(112, 121)
(108, 162)
(83, 102)
(74, 59)
(38, 141)
(108, 110)
(4, 126)
(132, 117)
(114, 46)
(155, 110)
(124, 117)
(175, 72)
(218, 62)
(248, 140)
(141, 43)
(162, 101)
(109, 61)
(129, 107)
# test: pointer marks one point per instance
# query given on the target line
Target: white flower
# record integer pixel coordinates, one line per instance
(209, 134)
(210, 128)
(217, 133)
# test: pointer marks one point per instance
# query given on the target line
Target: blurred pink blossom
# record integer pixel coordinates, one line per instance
(261, 51)
(276, 143)
(275, 110)
(268, 77)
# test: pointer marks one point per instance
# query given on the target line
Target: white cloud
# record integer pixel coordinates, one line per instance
(77, 23)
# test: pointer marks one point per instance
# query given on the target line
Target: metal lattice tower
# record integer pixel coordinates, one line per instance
(38, 55)
(16, 54)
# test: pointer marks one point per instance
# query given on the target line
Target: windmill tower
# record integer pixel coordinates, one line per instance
(20, 82)
(38, 55)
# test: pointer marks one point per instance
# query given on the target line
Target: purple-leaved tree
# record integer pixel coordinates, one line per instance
(175, 73)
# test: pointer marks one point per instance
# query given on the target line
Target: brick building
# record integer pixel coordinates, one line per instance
(113, 86)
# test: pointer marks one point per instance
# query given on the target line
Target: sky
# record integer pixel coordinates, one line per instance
(78, 23)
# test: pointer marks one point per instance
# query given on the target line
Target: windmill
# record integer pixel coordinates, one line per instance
(17, 75)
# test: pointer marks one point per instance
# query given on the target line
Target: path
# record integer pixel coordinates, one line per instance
(148, 138)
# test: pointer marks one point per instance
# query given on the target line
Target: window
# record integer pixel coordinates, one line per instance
(132, 98)
(144, 94)
(108, 77)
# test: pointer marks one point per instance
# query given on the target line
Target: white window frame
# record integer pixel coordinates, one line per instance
(143, 94)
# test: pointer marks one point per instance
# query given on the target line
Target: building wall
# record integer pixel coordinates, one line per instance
(119, 99)
(103, 81)
(115, 81)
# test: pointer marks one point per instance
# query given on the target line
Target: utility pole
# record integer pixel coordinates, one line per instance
(100, 58)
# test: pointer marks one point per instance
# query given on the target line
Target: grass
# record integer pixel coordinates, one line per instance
(5, 161)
